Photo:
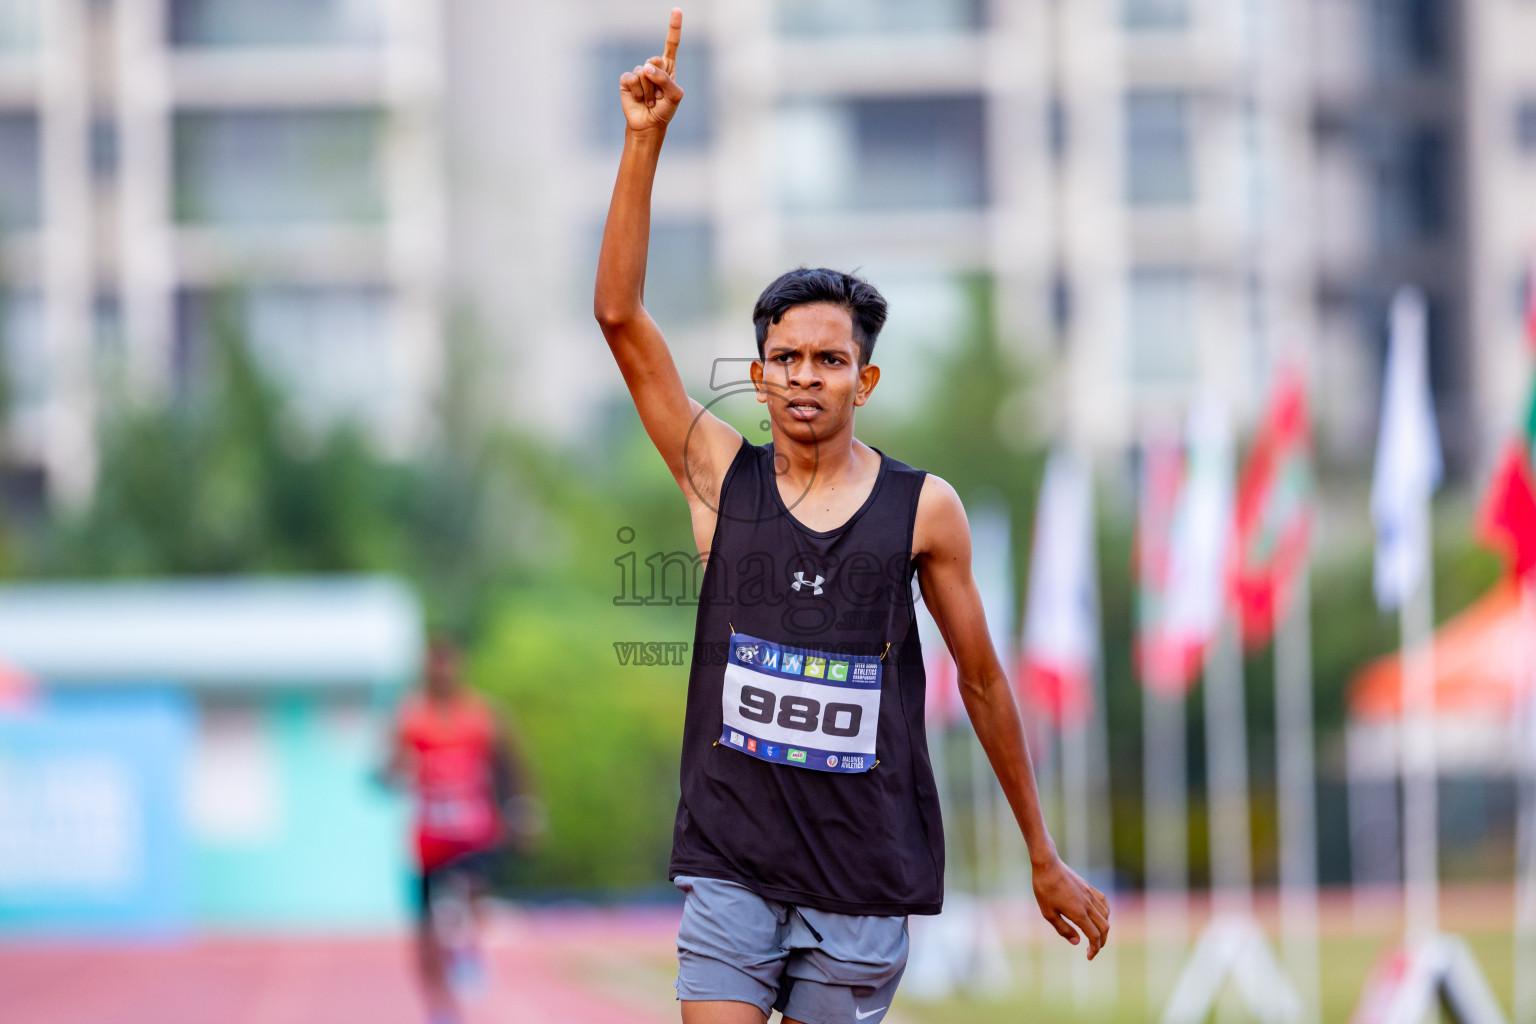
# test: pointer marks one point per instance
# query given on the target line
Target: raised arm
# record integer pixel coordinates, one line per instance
(697, 447)
(942, 545)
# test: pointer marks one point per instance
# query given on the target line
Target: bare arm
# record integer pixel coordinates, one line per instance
(942, 544)
(650, 96)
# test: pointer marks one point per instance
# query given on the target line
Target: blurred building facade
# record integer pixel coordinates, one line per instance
(157, 154)
(1165, 195)
(1170, 195)
(1426, 140)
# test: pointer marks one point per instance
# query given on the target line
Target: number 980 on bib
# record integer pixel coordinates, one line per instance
(800, 707)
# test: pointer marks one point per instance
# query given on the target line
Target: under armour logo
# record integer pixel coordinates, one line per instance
(801, 581)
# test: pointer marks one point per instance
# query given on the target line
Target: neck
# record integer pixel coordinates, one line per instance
(828, 458)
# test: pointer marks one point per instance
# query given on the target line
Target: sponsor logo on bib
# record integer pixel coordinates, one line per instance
(838, 671)
(831, 760)
(797, 755)
(736, 738)
(816, 668)
(792, 663)
(852, 762)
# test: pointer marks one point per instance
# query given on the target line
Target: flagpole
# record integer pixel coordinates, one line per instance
(1420, 846)
(992, 548)
(1165, 839)
(1074, 789)
(1525, 830)
(1297, 793)
(1101, 840)
(1408, 469)
(1164, 741)
(1226, 743)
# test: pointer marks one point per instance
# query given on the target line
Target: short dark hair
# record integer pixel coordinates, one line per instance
(808, 287)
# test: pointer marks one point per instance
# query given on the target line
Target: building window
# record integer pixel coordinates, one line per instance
(104, 148)
(1525, 126)
(680, 275)
(279, 167)
(19, 25)
(1409, 36)
(25, 363)
(1159, 159)
(818, 17)
(326, 347)
(884, 153)
(20, 173)
(273, 22)
(1161, 313)
(1058, 126)
(1413, 170)
(694, 124)
(681, 287)
(1155, 15)
(1061, 302)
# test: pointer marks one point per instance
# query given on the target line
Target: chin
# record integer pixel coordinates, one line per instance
(803, 432)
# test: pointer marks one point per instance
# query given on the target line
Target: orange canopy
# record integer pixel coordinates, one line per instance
(1483, 663)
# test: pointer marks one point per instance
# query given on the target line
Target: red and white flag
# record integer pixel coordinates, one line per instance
(1507, 519)
(1199, 548)
(1274, 513)
(1160, 480)
(1061, 621)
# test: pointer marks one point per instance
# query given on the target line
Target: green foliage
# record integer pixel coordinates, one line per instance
(603, 738)
(225, 479)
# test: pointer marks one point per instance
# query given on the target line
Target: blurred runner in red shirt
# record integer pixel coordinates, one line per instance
(469, 806)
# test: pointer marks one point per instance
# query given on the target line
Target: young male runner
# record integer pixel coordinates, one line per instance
(460, 766)
(808, 827)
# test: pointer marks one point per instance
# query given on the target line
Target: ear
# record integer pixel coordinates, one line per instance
(756, 373)
(869, 376)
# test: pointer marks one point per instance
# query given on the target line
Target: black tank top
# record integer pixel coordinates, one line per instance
(794, 627)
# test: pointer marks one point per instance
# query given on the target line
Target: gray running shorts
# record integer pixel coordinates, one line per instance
(812, 966)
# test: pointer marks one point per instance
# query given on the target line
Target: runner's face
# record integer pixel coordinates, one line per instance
(811, 374)
(442, 672)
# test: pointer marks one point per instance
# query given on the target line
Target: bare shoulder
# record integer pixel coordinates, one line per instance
(941, 522)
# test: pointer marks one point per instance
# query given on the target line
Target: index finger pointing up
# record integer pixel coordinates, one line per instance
(674, 36)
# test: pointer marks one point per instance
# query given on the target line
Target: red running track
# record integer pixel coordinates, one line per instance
(572, 967)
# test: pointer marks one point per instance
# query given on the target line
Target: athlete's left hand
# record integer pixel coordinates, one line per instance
(1066, 900)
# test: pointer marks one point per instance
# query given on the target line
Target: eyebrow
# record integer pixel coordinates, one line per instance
(779, 348)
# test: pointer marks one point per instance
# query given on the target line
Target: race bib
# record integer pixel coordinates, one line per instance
(800, 707)
(453, 815)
